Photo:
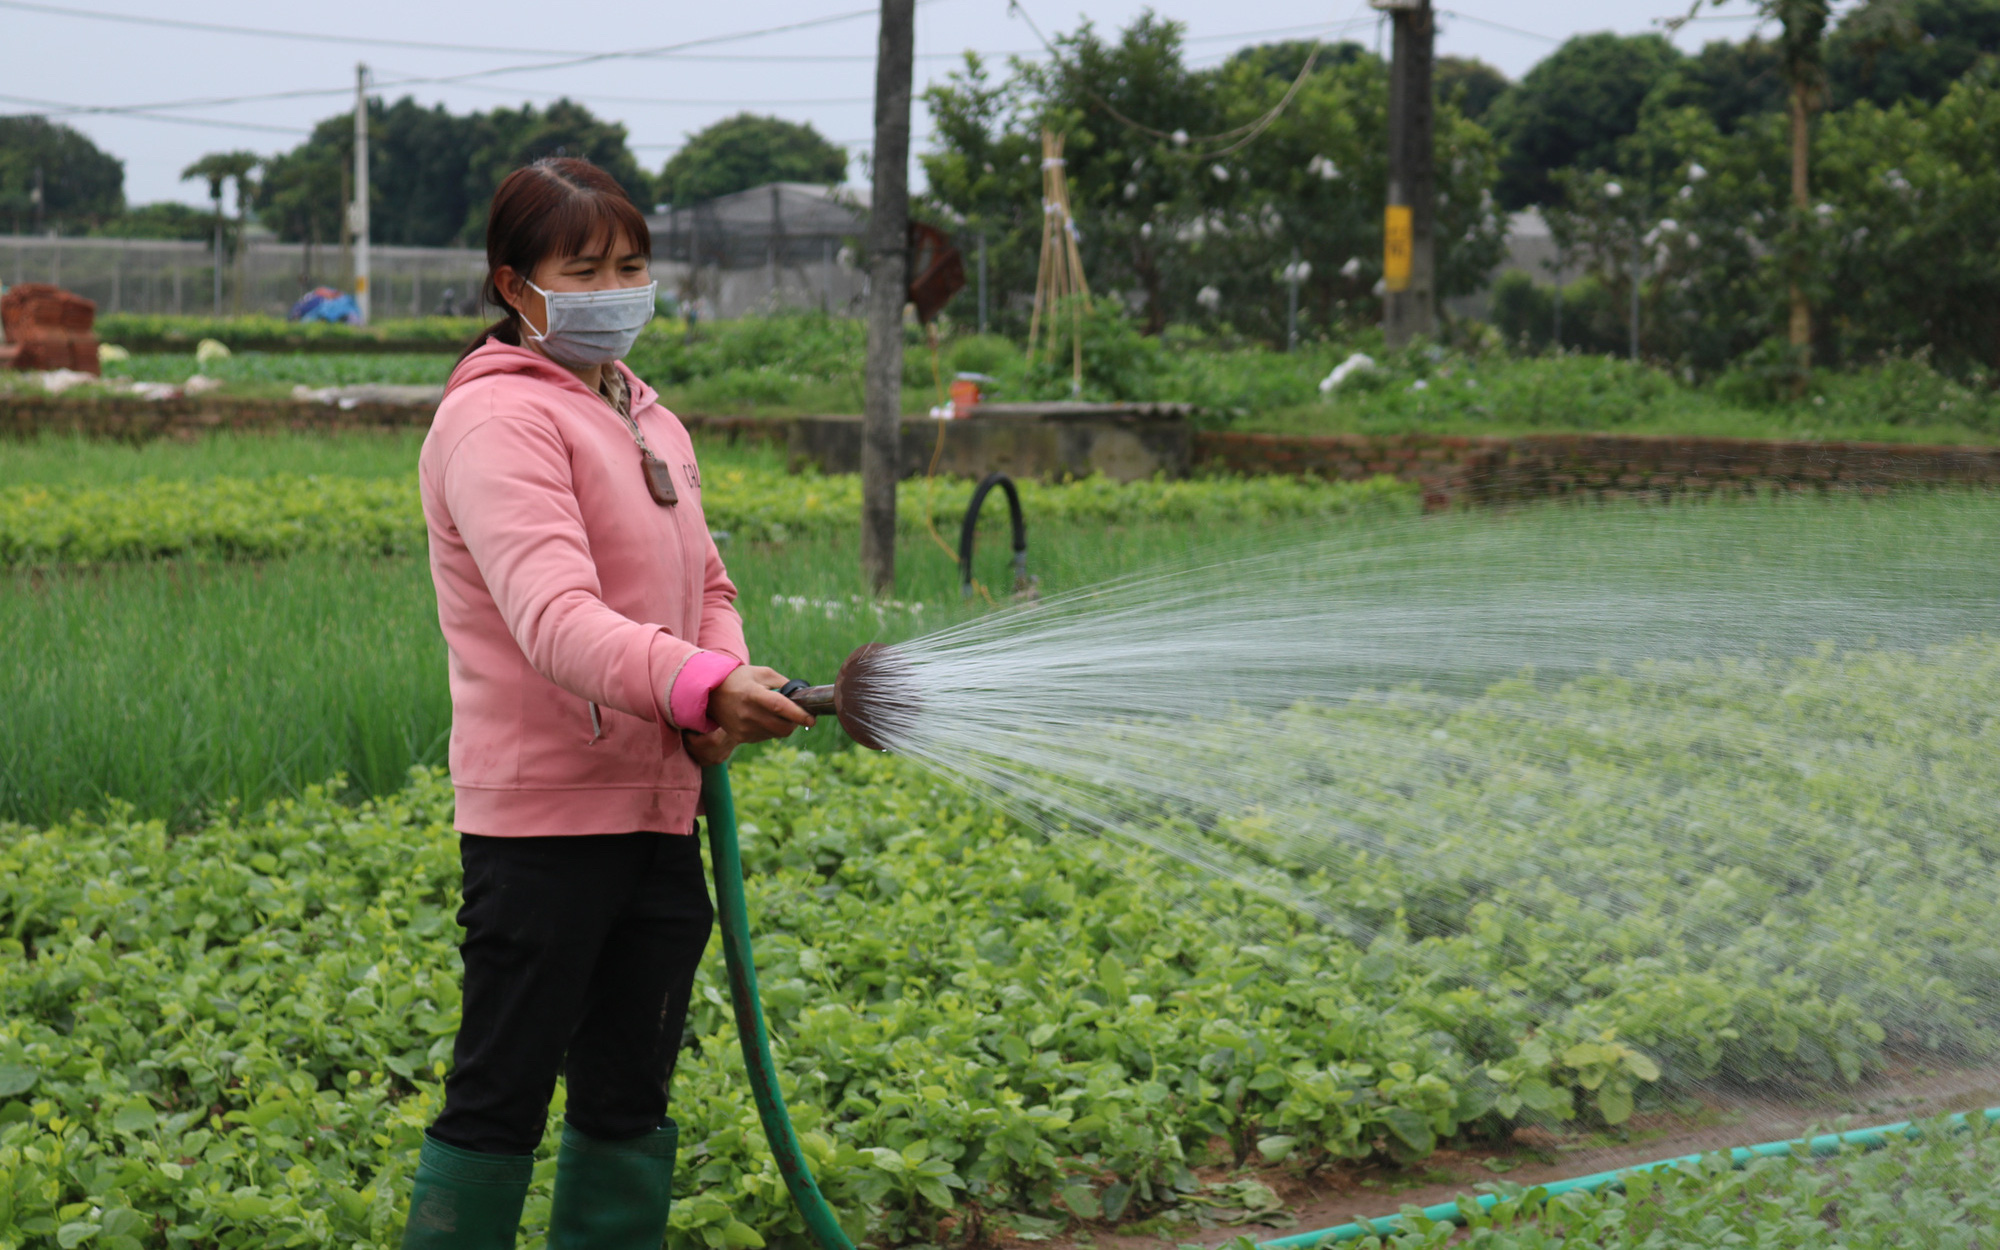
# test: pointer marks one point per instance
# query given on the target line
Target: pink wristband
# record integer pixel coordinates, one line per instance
(687, 704)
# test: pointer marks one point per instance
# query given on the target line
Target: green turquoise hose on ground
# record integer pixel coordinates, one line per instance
(726, 861)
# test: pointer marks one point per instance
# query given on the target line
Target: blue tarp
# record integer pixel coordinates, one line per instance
(323, 303)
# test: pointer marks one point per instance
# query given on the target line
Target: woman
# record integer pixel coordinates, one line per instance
(597, 661)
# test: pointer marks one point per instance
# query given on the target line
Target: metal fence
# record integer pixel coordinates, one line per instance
(264, 276)
(781, 245)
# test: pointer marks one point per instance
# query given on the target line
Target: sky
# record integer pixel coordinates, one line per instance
(711, 62)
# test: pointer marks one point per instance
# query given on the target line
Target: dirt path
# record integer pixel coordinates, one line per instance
(1724, 1119)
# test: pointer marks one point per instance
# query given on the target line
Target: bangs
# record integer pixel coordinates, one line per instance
(585, 224)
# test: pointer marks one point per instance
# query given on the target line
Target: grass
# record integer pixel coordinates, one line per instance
(276, 373)
(69, 460)
(180, 686)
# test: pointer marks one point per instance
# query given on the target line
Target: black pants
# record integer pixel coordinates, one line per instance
(580, 953)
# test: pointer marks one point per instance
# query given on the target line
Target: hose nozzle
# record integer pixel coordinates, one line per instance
(854, 696)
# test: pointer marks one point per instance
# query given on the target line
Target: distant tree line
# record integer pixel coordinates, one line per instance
(432, 172)
(1193, 200)
(1673, 173)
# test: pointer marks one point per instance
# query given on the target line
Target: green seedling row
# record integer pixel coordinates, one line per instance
(280, 514)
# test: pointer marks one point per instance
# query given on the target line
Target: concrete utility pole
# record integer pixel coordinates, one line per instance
(888, 283)
(1409, 253)
(358, 211)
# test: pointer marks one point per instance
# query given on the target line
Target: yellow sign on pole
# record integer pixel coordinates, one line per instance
(1396, 248)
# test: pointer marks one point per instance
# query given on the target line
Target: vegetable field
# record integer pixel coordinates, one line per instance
(225, 1024)
(237, 1034)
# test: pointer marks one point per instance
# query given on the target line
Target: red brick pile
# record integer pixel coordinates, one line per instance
(47, 328)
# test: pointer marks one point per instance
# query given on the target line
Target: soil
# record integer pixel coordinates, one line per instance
(1716, 1119)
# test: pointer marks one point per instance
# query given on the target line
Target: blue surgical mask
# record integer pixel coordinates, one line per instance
(593, 327)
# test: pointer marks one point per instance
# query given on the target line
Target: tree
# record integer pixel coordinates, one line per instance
(222, 167)
(433, 172)
(507, 139)
(79, 184)
(1572, 108)
(1193, 187)
(1731, 82)
(300, 195)
(746, 151)
(1469, 83)
(1891, 50)
(1801, 58)
(218, 168)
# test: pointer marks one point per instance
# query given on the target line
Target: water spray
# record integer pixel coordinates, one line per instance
(1277, 719)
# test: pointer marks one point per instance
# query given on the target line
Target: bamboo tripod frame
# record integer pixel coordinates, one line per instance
(1060, 275)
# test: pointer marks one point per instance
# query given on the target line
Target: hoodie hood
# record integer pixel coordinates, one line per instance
(494, 358)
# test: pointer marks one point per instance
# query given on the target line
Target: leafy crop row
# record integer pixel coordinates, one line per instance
(1941, 1189)
(236, 517)
(260, 329)
(235, 1036)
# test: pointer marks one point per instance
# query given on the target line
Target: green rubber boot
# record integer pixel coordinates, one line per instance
(464, 1200)
(613, 1195)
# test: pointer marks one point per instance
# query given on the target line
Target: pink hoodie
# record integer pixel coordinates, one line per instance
(572, 603)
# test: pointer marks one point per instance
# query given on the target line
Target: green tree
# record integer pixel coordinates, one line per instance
(506, 139)
(80, 184)
(219, 168)
(1469, 83)
(432, 172)
(1731, 82)
(300, 195)
(1193, 188)
(1892, 50)
(1572, 108)
(1801, 60)
(746, 151)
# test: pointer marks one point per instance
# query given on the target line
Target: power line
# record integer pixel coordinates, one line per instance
(593, 97)
(59, 109)
(457, 79)
(219, 28)
(1512, 30)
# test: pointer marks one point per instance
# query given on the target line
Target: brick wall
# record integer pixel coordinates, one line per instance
(1605, 466)
(1450, 468)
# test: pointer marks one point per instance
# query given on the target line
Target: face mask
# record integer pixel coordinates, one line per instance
(593, 327)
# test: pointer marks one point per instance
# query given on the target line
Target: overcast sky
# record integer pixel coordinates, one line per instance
(823, 74)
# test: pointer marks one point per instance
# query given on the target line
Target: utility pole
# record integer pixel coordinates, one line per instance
(358, 211)
(982, 282)
(36, 196)
(888, 283)
(1409, 254)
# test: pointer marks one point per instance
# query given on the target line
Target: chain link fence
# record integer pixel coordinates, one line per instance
(263, 276)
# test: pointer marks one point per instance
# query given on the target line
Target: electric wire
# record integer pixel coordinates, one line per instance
(1512, 30)
(56, 108)
(262, 32)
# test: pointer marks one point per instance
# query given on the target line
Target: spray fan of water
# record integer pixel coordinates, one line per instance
(1740, 762)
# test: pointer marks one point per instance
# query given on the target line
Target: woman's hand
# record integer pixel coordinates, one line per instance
(749, 708)
(710, 748)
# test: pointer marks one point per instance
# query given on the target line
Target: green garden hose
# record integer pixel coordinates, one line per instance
(1453, 1212)
(726, 861)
